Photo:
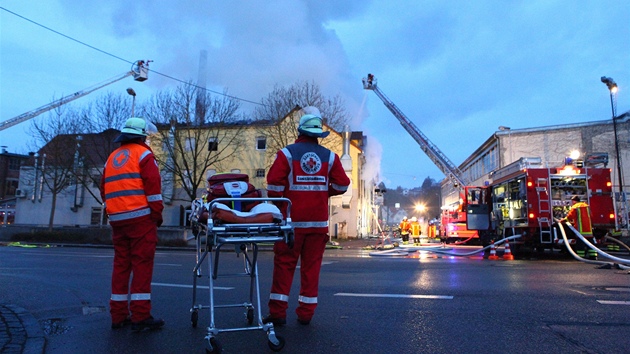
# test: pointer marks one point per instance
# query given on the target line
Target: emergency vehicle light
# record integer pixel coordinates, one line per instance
(531, 215)
(608, 184)
(568, 170)
(611, 216)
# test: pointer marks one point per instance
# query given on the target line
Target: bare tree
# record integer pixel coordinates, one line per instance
(109, 111)
(302, 93)
(279, 112)
(187, 144)
(100, 120)
(59, 149)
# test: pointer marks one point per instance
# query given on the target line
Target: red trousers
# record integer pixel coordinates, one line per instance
(309, 248)
(134, 251)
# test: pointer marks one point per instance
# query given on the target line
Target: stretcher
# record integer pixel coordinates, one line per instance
(216, 226)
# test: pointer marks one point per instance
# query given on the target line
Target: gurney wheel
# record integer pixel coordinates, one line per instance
(277, 347)
(194, 318)
(216, 346)
(250, 316)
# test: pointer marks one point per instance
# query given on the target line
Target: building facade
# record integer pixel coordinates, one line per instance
(552, 144)
(77, 202)
(10, 164)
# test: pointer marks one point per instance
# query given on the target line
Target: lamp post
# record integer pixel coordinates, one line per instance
(509, 130)
(612, 88)
(131, 92)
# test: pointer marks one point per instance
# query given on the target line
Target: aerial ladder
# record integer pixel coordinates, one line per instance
(439, 159)
(139, 71)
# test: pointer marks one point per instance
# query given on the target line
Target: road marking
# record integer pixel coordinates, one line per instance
(437, 297)
(323, 263)
(168, 264)
(618, 289)
(190, 286)
(606, 302)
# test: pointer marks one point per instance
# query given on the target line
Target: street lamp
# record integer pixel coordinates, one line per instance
(612, 87)
(131, 92)
(509, 130)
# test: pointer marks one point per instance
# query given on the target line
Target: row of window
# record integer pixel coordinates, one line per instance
(483, 165)
(213, 143)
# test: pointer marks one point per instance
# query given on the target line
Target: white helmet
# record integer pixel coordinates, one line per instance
(311, 123)
(414, 219)
(134, 128)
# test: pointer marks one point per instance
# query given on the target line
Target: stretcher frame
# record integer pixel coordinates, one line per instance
(211, 237)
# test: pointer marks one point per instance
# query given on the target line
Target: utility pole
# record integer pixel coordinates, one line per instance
(612, 88)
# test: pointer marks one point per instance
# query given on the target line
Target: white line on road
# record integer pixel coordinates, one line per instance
(438, 297)
(607, 302)
(190, 286)
(323, 263)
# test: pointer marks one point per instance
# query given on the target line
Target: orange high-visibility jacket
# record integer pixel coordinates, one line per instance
(131, 185)
(580, 217)
(405, 225)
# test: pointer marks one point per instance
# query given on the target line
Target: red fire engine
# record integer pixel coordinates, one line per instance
(525, 197)
(453, 224)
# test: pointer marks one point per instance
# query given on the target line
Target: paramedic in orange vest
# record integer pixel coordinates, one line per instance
(132, 192)
(580, 217)
(415, 230)
(404, 226)
(307, 174)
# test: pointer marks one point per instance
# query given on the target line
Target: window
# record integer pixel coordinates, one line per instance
(190, 144)
(261, 143)
(10, 186)
(14, 164)
(98, 216)
(213, 144)
(260, 172)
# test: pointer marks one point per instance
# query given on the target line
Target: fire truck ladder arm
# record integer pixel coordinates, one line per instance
(139, 70)
(445, 165)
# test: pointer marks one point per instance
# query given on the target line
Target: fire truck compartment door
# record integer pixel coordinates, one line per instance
(478, 217)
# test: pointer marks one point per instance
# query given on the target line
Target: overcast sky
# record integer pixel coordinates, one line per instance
(457, 69)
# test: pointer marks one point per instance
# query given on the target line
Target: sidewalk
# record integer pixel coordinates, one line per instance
(19, 331)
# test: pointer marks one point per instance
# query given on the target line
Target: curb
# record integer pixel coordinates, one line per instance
(26, 335)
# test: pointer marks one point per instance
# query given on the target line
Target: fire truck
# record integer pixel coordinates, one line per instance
(453, 216)
(526, 197)
(522, 198)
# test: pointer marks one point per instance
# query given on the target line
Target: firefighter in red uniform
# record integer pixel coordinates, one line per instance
(307, 174)
(580, 217)
(404, 226)
(131, 189)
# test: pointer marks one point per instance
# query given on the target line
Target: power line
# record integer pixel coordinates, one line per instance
(125, 60)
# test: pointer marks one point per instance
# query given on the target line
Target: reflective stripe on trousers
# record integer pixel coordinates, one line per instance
(134, 297)
(279, 297)
(307, 300)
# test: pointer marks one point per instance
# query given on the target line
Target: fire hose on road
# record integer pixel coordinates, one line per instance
(622, 263)
(404, 251)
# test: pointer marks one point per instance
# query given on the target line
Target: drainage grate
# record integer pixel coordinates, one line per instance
(54, 326)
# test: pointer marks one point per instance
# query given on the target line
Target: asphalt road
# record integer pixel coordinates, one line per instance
(422, 304)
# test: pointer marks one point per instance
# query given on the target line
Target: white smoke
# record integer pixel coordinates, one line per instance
(373, 154)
